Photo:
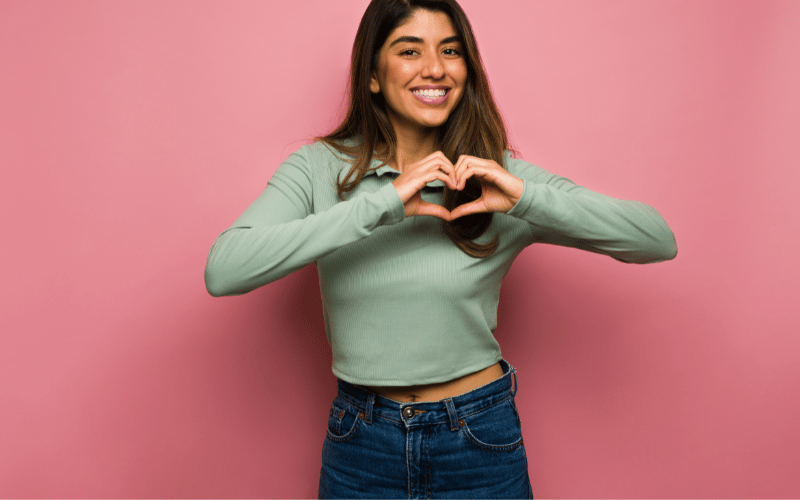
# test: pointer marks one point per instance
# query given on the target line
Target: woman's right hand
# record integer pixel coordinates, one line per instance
(416, 176)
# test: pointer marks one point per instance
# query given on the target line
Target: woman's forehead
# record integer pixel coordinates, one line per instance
(426, 25)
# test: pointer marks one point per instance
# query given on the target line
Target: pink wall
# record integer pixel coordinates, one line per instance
(132, 133)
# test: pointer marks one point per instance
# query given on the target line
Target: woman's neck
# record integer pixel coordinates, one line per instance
(412, 146)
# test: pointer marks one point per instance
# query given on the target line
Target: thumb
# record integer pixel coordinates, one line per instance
(425, 208)
(472, 207)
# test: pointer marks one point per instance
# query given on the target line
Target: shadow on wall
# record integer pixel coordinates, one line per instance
(575, 317)
(304, 348)
(307, 353)
(200, 408)
(280, 376)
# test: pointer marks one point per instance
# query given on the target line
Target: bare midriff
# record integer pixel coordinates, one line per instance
(442, 390)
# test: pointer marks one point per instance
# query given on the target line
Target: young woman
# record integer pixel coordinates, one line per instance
(413, 210)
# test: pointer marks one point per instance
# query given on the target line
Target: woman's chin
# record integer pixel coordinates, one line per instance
(432, 122)
(426, 122)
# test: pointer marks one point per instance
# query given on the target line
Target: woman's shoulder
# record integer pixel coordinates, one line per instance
(530, 171)
(514, 163)
(328, 150)
(320, 155)
(314, 150)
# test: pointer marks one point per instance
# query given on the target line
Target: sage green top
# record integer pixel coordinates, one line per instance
(403, 305)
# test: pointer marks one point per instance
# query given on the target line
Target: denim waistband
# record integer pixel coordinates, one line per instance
(371, 405)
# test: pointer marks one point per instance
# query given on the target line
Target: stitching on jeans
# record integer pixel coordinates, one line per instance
(428, 470)
(350, 434)
(483, 408)
(408, 466)
(491, 447)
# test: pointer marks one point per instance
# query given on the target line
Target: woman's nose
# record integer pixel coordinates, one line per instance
(432, 67)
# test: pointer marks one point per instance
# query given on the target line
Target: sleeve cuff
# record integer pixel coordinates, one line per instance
(396, 212)
(525, 201)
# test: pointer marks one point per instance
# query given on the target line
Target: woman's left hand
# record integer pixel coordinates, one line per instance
(500, 190)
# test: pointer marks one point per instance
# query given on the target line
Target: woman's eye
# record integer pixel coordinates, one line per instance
(409, 52)
(450, 52)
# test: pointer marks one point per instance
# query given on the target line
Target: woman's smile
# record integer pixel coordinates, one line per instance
(431, 95)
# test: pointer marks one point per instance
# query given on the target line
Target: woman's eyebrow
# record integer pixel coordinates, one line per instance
(416, 39)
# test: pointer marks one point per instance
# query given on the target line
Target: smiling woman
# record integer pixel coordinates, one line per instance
(413, 211)
(421, 73)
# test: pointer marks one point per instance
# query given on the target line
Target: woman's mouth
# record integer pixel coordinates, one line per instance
(431, 97)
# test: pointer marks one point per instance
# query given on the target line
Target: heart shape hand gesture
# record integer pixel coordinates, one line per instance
(499, 189)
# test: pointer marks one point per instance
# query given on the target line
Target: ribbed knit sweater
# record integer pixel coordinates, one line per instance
(402, 304)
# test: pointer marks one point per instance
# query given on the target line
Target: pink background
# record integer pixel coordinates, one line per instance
(133, 132)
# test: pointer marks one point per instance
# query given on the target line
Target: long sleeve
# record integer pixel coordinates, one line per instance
(563, 213)
(280, 232)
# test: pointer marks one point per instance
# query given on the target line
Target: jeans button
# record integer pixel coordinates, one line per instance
(408, 412)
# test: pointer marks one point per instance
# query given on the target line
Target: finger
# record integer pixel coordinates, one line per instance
(436, 157)
(425, 208)
(467, 171)
(443, 169)
(468, 166)
(472, 207)
(438, 175)
(450, 173)
(508, 184)
(409, 186)
(459, 168)
(448, 179)
(485, 173)
(464, 159)
(435, 154)
(471, 166)
(439, 160)
(442, 163)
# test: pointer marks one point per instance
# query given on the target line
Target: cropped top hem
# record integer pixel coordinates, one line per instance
(472, 367)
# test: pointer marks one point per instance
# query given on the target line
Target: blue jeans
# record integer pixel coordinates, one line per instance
(469, 446)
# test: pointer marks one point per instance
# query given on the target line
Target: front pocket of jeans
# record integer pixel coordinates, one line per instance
(496, 428)
(343, 423)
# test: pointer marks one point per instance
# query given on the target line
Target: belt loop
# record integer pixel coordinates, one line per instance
(368, 413)
(514, 380)
(451, 412)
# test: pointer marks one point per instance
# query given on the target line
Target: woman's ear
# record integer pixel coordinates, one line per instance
(374, 85)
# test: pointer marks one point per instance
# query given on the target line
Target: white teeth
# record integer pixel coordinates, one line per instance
(430, 93)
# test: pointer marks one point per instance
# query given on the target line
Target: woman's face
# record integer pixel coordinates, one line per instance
(421, 71)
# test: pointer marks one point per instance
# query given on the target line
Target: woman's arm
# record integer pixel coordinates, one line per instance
(279, 232)
(563, 213)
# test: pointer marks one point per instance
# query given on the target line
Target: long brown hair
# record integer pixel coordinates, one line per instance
(474, 127)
